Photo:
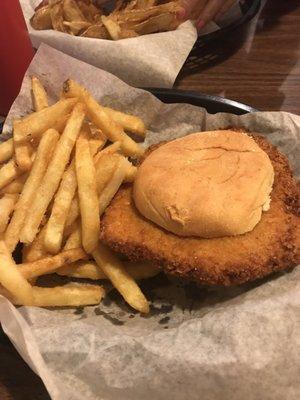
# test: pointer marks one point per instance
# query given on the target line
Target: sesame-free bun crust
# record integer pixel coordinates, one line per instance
(207, 184)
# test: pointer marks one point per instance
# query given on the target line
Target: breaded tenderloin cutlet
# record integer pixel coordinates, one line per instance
(273, 245)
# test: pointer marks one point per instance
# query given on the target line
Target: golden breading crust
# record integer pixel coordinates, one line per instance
(273, 245)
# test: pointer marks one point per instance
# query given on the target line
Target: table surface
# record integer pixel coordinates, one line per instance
(264, 73)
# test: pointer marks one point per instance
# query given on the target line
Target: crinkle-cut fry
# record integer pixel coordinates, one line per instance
(16, 186)
(120, 278)
(71, 295)
(37, 123)
(43, 155)
(113, 185)
(87, 193)
(74, 240)
(47, 265)
(129, 122)
(53, 175)
(105, 169)
(62, 203)
(39, 95)
(111, 149)
(7, 205)
(90, 270)
(73, 214)
(11, 277)
(6, 150)
(112, 27)
(36, 250)
(9, 172)
(113, 131)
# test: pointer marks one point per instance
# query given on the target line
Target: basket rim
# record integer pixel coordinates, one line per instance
(245, 18)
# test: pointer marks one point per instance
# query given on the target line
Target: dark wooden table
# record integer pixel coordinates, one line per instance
(264, 73)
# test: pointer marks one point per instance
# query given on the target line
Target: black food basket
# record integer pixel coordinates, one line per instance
(213, 47)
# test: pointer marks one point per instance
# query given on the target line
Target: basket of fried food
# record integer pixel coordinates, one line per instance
(59, 172)
(127, 19)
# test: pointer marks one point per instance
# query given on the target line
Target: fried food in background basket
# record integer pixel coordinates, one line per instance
(128, 19)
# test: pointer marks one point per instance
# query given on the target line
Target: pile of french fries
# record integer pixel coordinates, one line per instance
(128, 19)
(58, 173)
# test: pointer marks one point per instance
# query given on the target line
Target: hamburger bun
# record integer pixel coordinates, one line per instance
(206, 184)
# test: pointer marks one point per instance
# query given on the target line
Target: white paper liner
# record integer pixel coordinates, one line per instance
(146, 61)
(217, 344)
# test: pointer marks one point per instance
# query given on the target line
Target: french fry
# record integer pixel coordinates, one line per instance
(9, 172)
(60, 209)
(22, 155)
(112, 27)
(71, 295)
(113, 185)
(96, 31)
(57, 17)
(130, 173)
(72, 216)
(6, 150)
(41, 18)
(113, 131)
(16, 186)
(53, 174)
(47, 265)
(96, 138)
(72, 12)
(43, 155)
(87, 193)
(39, 95)
(37, 123)
(82, 269)
(95, 146)
(60, 201)
(90, 11)
(11, 277)
(74, 240)
(128, 122)
(7, 205)
(96, 132)
(105, 169)
(36, 250)
(111, 149)
(90, 270)
(120, 278)
(59, 125)
(76, 26)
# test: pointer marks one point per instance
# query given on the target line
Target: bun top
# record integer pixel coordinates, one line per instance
(207, 184)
